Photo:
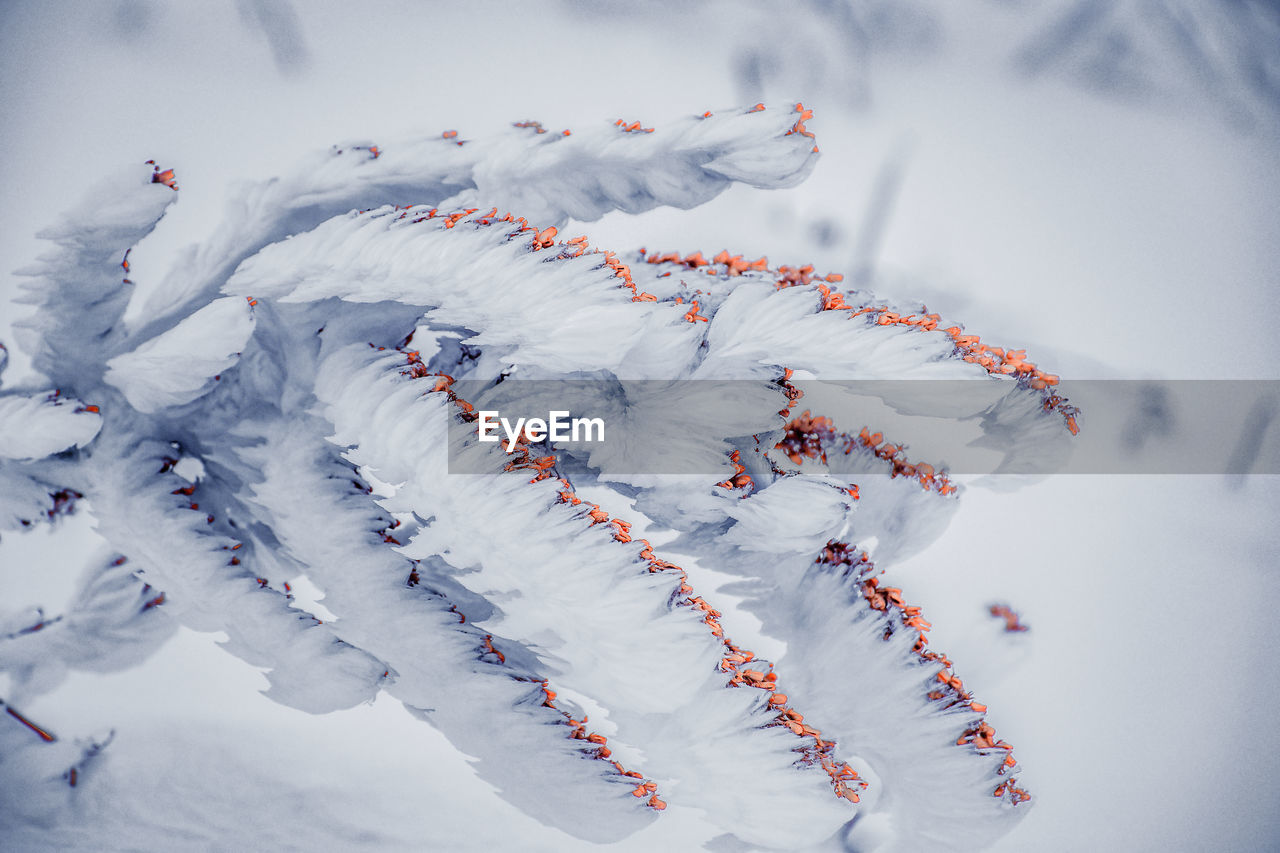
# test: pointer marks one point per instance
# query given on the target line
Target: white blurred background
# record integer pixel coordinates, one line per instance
(1096, 182)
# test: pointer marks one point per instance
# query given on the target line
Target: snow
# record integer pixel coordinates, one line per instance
(35, 427)
(1111, 238)
(182, 364)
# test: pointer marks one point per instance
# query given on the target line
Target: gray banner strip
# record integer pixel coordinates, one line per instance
(965, 427)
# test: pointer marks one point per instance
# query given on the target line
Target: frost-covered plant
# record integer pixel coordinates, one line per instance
(230, 440)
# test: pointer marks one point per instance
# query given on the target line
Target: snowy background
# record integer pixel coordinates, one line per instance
(1098, 182)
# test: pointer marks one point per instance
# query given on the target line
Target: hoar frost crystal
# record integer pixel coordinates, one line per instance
(226, 442)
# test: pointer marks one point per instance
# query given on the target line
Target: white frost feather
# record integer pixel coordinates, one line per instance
(792, 515)
(588, 606)
(179, 366)
(33, 427)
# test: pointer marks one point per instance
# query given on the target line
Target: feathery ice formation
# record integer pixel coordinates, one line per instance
(242, 407)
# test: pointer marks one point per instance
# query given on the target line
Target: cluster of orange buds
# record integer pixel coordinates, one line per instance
(755, 678)
(457, 216)
(711, 616)
(832, 300)
(621, 529)
(1012, 793)
(443, 382)
(801, 276)
(450, 220)
(983, 737)
(836, 553)
(656, 565)
(740, 479)
(578, 246)
(949, 688)
(566, 495)
(692, 315)
(809, 437)
(890, 597)
(578, 731)
(734, 265)
(385, 533)
(793, 393)
(545, 239)
(844, 779)
(995, 360)
(453, 136)
(487, 645)
(644, 788)
(805, 437)
(623, 272)
(928, 477)
(543, 467)
(416, 368)
(692, 261)
(536, 125)
(263, 583)
(1012, 622)
(1057, 403)
(885, 317)
(634, 127)
(799, 127)
(620, 270)
(159, 176)
(734, 658)
(430, 214)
